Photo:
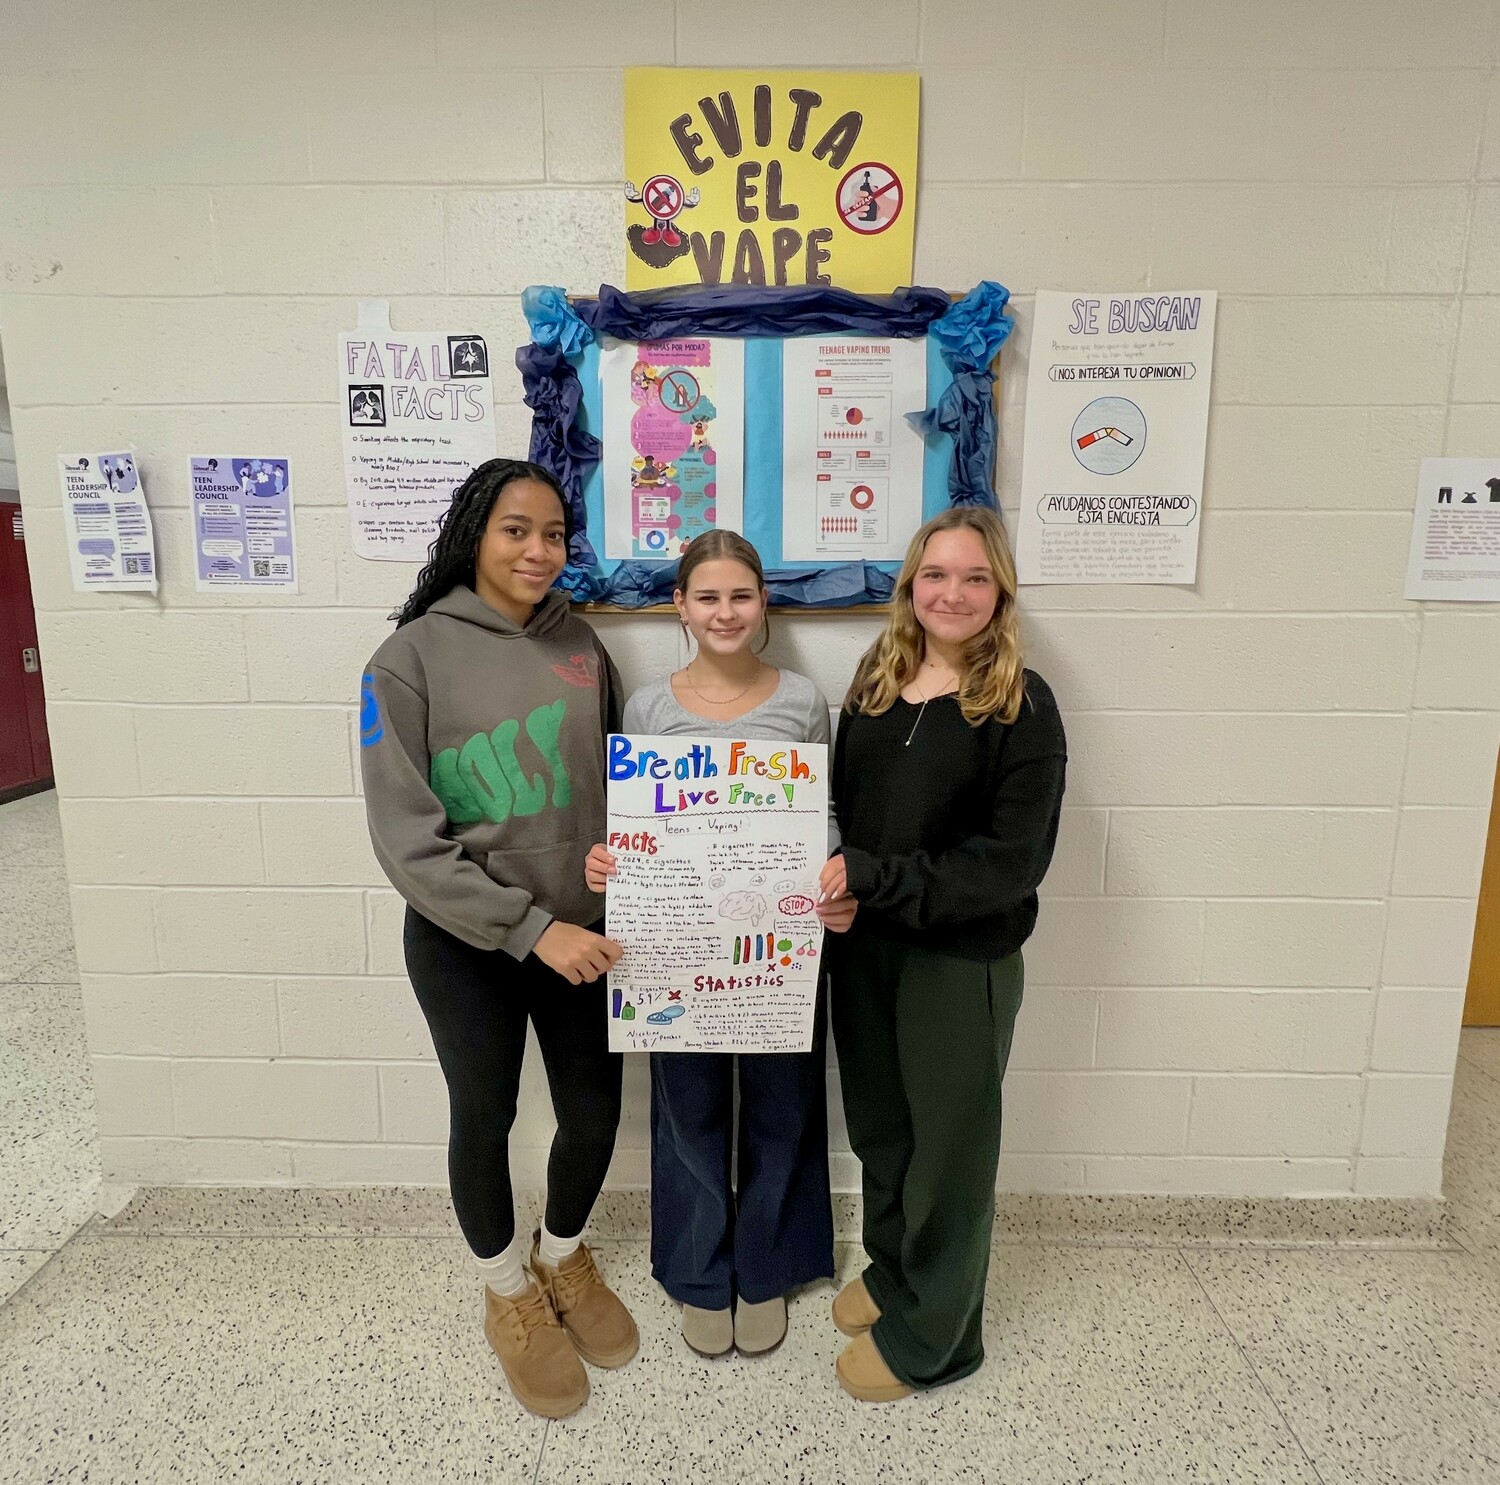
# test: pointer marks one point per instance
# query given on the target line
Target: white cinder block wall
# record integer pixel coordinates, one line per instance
(1248, 973)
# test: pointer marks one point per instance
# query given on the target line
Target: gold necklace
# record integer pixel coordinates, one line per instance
(922, 709)
(687, 675)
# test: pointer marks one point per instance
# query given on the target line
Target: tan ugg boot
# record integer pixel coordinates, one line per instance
(597, 1323)
(539, 1361)
(863, 1373)
(854, 1312)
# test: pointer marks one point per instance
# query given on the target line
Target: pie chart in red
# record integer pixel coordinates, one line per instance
(855, 416)
(861, 497)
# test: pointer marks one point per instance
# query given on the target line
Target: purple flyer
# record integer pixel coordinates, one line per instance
(242, 523)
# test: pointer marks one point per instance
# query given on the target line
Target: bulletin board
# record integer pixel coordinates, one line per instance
(560, 370)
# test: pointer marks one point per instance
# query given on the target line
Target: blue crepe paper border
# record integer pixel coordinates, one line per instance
(965, 334)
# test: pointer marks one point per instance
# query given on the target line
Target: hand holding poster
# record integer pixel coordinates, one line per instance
(719, 845)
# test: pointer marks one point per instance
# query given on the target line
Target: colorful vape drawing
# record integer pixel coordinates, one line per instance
(759, 941)
(617, 1000)
(736, 948)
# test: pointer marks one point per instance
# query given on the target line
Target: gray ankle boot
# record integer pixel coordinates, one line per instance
(759, 1328)
(708, 1332)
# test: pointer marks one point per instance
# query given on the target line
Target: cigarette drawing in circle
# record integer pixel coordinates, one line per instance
(1108, 435)
(1099, 433)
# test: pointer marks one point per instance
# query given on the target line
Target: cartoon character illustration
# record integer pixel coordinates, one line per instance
(645, 379)
(664, 200)
(698, 419)
(646, 473)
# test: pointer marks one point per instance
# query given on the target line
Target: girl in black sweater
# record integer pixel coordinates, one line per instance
(948, 779)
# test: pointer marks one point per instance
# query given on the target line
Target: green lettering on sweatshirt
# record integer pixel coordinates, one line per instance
(458, 803)
(530, 798)
(544, 727)
(484, 780)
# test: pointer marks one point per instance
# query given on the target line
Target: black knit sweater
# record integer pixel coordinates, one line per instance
(948, 829)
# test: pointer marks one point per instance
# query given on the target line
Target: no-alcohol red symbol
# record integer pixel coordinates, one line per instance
(869, 198)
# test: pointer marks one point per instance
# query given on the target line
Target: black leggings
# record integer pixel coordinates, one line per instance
(477, 1003)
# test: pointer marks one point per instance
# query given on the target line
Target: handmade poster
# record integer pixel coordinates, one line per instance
(1116, 426)
(1455, 533)
(418, 414)
(851, 464)
(242, 523)
(111, 546)
(674, 443)
(719, 844)
(760, 177)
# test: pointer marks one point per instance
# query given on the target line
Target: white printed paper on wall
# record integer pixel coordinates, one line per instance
(1455, 533)
(674, 443)
(851, 465)
(1116, 427)
(418, 414)
(243, 533)
(719, 843)
(111, 546)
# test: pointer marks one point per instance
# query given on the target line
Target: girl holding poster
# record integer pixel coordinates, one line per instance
(730, 1258)
(948, 780)
(482, 727)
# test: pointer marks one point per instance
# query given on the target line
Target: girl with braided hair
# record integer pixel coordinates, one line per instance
(482, 726)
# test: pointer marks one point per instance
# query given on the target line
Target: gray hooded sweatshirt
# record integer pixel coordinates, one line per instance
(482, 752)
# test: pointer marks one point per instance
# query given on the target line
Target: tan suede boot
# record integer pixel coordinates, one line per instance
(540, 1363)
(597, 1323)
(854, 1312)
(862, 1373)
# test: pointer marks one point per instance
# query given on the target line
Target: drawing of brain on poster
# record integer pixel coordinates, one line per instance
(673, 443)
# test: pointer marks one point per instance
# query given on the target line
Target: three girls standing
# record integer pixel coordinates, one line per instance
(948, 776)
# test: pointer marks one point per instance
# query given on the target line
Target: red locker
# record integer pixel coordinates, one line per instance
(25, 758)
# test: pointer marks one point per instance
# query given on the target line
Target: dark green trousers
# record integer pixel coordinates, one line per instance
(923, 1039)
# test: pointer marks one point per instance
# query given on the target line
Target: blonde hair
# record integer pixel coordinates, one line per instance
(720, 544)
(991, 681)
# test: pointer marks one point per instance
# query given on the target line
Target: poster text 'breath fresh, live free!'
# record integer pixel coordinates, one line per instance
(719, 843)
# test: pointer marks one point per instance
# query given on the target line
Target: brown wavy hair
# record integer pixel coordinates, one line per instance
(730, 546)
(992, 681)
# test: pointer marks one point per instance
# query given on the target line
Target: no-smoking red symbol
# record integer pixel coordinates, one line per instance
(869, 198)
(861, 497)
(663, 197)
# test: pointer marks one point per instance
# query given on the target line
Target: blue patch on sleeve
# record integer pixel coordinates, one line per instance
(370, 728)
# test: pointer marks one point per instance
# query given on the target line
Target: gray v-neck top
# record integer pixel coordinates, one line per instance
(795, 712)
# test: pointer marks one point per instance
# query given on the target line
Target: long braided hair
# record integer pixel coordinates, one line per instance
(456, 551)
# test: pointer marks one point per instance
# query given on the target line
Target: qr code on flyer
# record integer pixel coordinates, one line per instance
(260, 567)
(137, 566)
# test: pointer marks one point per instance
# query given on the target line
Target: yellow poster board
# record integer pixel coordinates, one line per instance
(760, 177)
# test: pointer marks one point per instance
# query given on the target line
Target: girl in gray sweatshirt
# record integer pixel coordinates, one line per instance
(482, 728)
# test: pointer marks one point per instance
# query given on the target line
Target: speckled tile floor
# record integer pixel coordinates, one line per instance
(49, 1158)
(334, 1336)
